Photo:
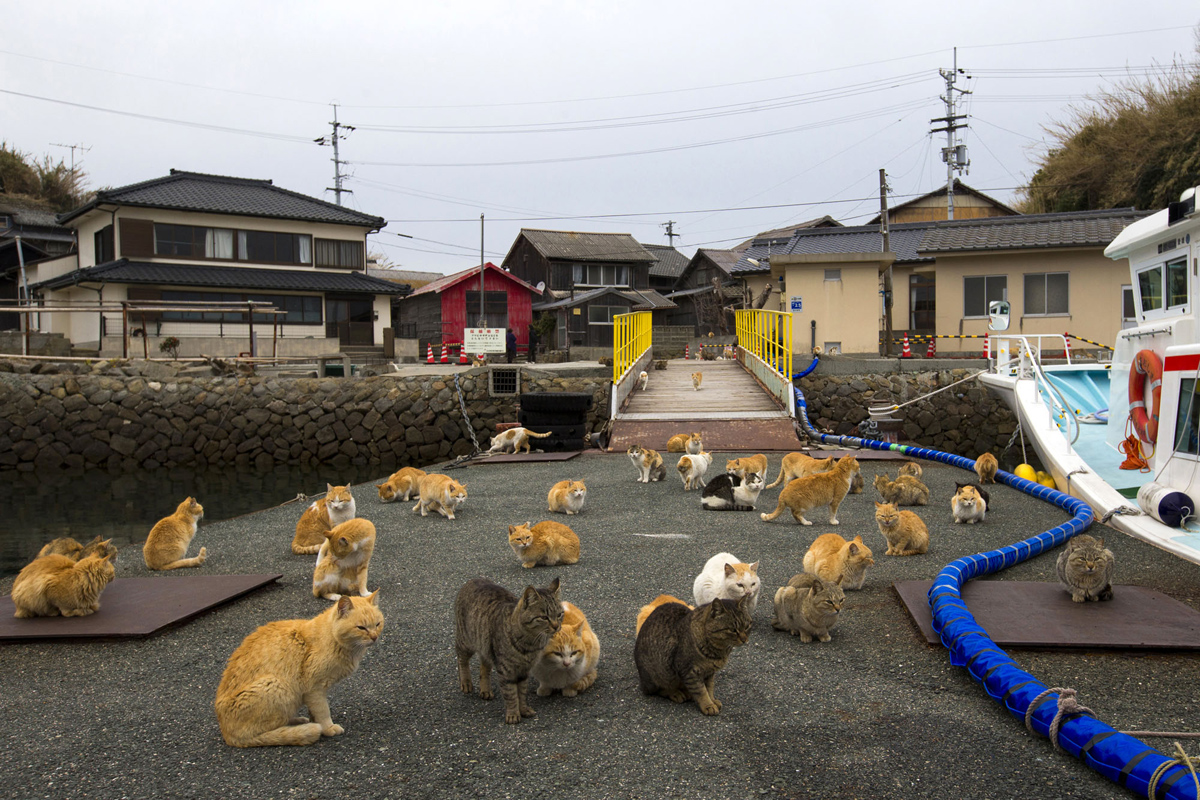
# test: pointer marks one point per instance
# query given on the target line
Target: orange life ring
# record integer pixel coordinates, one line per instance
(1146, 362)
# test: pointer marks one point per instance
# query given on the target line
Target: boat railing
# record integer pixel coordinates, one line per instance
(1026, 364)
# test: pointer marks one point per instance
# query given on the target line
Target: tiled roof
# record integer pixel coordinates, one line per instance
(755, 258)
(728, 291)
(904, 240)
(446, 281)
(298, 280)
(786, 232)
(643, 299)
(575, 246)
(218, 194)
(725, 260)
(671, 263)
(1065, 229)
(25, 216)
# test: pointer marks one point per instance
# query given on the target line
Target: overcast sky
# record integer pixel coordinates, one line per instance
(616, 116)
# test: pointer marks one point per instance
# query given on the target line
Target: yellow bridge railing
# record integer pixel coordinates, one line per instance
(765, 338)
(631, 340)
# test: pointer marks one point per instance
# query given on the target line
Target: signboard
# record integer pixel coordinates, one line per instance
(484, 340)
(797, 304)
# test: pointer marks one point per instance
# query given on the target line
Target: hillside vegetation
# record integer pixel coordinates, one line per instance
(44, 184)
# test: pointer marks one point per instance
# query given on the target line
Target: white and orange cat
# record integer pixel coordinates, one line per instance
(439, 493)
(692, 468)
(742, 467)
(336, 507)
(344, 559)
(514, 439)
(548, 543)
(648, 462)
(831, 558)
(401, 485)
(825, 488)
(648, 609)
(168, 542)
(56, 584)
(697, 378)
(800, 465)
(724, 577)
(969, 504)
(905, 532)
(567, 497)
(690, 443)
(643, 380)
(568, 663)
(292, 663)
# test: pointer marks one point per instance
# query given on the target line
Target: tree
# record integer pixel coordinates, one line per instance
(40, 184)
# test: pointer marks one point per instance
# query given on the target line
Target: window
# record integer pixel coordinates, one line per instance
(980, 290)
(600, 274)
(1046, 293)
(302, 310)
(495, 308)
(603, 315)
(268, 246)
(1128, 307)
(833, 274)
(1150, 288)
(103, 242)
(178, 240)
(1177, 290)
(338, 253)
(1187, 421)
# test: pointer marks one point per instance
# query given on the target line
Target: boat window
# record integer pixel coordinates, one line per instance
(1187, 423)
(1177, 291)
(1150, 288)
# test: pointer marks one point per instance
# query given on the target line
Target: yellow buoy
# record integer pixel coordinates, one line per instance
(1025, 471)
(1045, 479)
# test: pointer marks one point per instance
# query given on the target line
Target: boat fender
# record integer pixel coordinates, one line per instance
(1169, 506)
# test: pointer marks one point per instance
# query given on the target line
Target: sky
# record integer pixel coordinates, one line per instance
(725, 119)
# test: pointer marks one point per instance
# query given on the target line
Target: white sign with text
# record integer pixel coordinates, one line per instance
(484, 340)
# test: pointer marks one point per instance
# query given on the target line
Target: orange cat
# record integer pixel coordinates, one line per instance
(568, 663)
(744, 466)
(401, 485)
(831, 558)
(336, 507)
(906, 533)
(800, 465)
(514, 438)
(825, 488)
(691, 469)
(911, 468)
(685, 443)
(293, 662)
(566, 497)
(168, 542)
(440, 493)
(57, 584)
(62, 546)
(648, 609)
(546, 543)
(697, 377)
(343, 561)
(985, 467)
(649, 463)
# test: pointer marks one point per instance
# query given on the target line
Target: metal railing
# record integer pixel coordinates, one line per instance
(631, 339)
(1026, 363)
(765, 341)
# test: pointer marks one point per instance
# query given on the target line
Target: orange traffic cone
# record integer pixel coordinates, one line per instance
(986, 354)
(906, 353)
(429, 356)
(445, 359)
(932, 351)
(462, 355)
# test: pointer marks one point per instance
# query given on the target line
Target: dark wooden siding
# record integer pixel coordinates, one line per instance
(528, 264)
(137, 238)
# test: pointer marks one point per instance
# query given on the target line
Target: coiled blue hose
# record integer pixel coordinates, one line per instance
(1127, 761)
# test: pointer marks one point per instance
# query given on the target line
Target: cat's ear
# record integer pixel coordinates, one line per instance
(380, 485)
(371, 598)
(329, 487)
(878, 504)
(528, 595)
(553, 587)
(853, 549)
(729, 570)
(344, 605)
(838, 582)
(511, 528)
(344, 541)
(754, 567)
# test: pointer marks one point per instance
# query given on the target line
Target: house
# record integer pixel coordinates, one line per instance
(968, 204)
(705, 288)
(668, 266)
(437, 312)
(190, 237)
(41, 237)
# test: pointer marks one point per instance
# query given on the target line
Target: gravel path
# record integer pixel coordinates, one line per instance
(875, 712)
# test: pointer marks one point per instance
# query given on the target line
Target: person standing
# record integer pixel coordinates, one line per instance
(510, 345)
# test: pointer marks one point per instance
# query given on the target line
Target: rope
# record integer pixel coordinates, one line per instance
(1181, 759)
(1068, 707)
(1132, 450)
(1122, 510)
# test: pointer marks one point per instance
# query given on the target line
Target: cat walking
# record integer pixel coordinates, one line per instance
(697, 378)
(800, 465)
(401, 485)
(168, 541)
(643, 379)
(691, 469)
(826, 488)
(515, 439)
(985, 467)
(439, 493)
(336, 507)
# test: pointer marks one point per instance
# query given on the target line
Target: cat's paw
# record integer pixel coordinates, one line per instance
(485, 694)
(545, 691)
(333, 729)
(526, 711)
(568, 692)
(512, 717)
(202, 556)
(710, 709)
(825, 637)
(465, 686)
(298, 721)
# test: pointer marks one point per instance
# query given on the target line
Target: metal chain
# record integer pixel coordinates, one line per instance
(1012, 440)
(462, 403)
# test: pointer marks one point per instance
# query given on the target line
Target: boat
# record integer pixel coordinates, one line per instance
(1078, 414)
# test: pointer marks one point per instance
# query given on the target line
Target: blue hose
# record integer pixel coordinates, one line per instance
(807, 370)
(1122, 759)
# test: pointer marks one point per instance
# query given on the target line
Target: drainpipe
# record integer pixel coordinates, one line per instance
(26, 319)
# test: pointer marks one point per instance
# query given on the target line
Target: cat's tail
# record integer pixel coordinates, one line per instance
(778, 480)
(303, 550)
(287, 735)
(539, 435)
(187, 562)
(778, 510)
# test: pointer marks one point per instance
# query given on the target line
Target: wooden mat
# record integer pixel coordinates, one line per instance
(1031, 614)
(135, 607)
(510, 458)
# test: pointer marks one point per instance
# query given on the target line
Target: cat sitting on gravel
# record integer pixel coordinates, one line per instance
(168, 541)
(904, 491)
(729, 492)
(344, 559)
(726, 578)
(336, 507)
(567, 497)
(808, 607)
(904, 531)
(969, 504)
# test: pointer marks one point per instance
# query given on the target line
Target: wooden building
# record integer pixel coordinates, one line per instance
(968, 204)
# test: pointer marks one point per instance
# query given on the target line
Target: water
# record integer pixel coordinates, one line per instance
(125, 506)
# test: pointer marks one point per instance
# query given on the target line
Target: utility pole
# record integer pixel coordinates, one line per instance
(671, 234)
(954, 154)
(338, 177)
(482, 315)
(74, 178)
(887, 273)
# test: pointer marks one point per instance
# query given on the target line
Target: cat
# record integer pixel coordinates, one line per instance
(548, 543)
(697, 377)
(568, 663)
(685, 443)
(400, 485)
(678, 652)
(911, 468)
(825, 488)
(906, 533)
(643, 379)
(336, 507)
(832, 558)
(290, 663)
(969, 504)
(692, 468)
(808, 607)
(728, 492)
(567, 497)
(727, 578)
(479, 361)
(439, 493)
(98, 546)
(508, 633)
(56, 584)
(744, 466)
(800, 465)
(343, 560)
(648, 609)
(515, 439)
(168, 542)
(856, 484)
(985, 467)
(62, 546)
(649, 463)
(1085, 569)
(729, 354)
(904, 491)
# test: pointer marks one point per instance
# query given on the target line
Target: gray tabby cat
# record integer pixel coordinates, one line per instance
(808, 607)
(678, 651)
(508, 633)
(1085, 569)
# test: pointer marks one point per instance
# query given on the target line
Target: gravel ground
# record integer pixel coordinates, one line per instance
(875, 712)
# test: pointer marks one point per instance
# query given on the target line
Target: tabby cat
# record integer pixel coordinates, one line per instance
(726, 578)
(643, 379)
(985, 467)
(548, 543)
(568, 664)
(515, 439)
(728, 492)
(1085, 569)
(648, 609)
(648, 462)
(800, 465)
(692, 468)
(678, 652)
(912, 468)
(685, 443)
(401, 485)
(62, 546)
(343, 560)
(697, 377)
(826, 488)
(906, 533)
(969, 503)
(439, 493)
(742, 467)
(567, 497)
(904, 491)
(57, 584)
(832, 558)
(168, 542)
(292, 663)
(336, 507)
(508, 633)
(98, 546)
(808, 607)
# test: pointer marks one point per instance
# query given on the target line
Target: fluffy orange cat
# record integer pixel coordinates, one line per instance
(685, 443)
(985, 467)
(547, 543)
(697, 377)
(800, 465)
(744, 466)
(568, 663)
(343, 561)
(826, 488)
(906, 533)
(648, 609)
(57, 584)
(831, 558)
(440, 493)
(400, 485)
(336, 507)
(567, 497)
(168, 542)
